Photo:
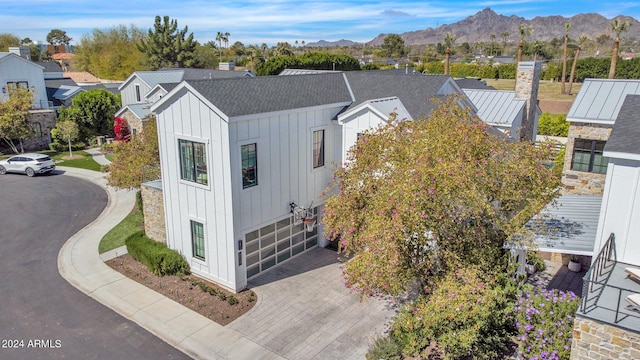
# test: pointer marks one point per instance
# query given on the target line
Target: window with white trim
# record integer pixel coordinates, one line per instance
(197, 240)
(193, 161)
(318, 148)
(138, 97)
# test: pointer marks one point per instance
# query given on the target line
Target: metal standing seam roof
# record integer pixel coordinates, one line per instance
(64, 92)
(263, 94)
(203, 74)
(570, 227)
(496, 107)
(139, 110)
(625, 136)
(153, 78)
(599, 100)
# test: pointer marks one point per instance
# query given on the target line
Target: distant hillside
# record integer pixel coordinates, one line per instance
(478, 27)
(323, 43)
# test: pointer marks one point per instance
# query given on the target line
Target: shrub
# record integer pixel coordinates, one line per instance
(534, 259)
(545, 324)
(232, 300)
(139, 200)
(553, 125)
(58, 147)
(384, 348)
(156, 256)
(507, 71)
(465, 315)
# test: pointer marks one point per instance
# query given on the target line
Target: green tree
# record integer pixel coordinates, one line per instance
(14, 113)
(205, 55)
(58, 37)
(68, 131)
(166, 46)
(393, 47)
(523, 31)
(419, 198)
(111, 53)
(567, 27)
(553, 125)
(8, 40)
(132, 159)
(93, 111)
(283, 49)
(618, 27)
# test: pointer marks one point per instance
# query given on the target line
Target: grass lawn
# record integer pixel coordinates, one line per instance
(115, 237)
(547, 91)
(85, 162)
(109, 156)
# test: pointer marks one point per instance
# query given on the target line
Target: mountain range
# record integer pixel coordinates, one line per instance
(479, 27)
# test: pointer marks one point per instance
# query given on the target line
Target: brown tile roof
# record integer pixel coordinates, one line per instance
(62, 56)
(82, 77)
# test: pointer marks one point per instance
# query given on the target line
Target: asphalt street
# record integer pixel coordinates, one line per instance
(41, 315)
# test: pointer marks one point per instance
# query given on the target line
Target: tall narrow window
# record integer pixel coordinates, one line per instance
(588, 156)
(37, 130)
(197, 240)
(249, 154)
(318, 148)
(138, 93)
(193, 161)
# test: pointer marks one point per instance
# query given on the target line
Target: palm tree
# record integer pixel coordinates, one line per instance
(219, 37)
(523, 31)
(567, 27)
(493, 38)
(504, 36)
(583, 38)
(226, 39)
(449, 40)
(618, 27)
(264, 49)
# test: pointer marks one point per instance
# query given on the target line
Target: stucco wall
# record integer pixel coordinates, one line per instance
(580, 182)
(153, 210)
(595, 340)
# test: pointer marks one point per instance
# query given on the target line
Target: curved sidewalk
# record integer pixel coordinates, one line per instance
(79, 263)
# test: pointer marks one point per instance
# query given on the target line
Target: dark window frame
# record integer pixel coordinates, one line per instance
(249, 164)
(197, 241)
(193, 161)
(318, 148)
(588, 156)
(137, 90)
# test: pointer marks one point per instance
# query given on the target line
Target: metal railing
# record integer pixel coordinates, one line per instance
(596, 278)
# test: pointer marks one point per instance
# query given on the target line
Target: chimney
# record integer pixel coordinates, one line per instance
(527, 81)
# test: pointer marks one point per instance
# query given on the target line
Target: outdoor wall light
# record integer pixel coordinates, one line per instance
(4, 89)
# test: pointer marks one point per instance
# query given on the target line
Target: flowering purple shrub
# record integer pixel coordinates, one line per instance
(545, 324)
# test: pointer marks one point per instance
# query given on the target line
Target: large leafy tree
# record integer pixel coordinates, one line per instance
(618, 27)
(393, 46)
(8, 40)
(111, 53)
(134, 159)
(58, 37)
(93, 111)
(419, 198)
(14, 112)
(167, 46)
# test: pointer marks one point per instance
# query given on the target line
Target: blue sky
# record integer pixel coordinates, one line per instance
(258, 21)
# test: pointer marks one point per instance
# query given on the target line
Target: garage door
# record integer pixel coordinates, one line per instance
(276, 243)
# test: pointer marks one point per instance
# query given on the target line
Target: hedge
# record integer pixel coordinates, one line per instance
(158, 258)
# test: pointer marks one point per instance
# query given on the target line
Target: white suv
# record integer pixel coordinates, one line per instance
(29, 164)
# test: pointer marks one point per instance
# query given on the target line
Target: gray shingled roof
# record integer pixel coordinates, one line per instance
(244, 96)
(168, 86)
(599, 100)
(202, 74)
(49, 66)
(625, 136)
(469, 83)
(415, 91)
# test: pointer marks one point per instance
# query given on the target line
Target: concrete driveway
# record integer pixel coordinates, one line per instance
(305, 312)
(42, 314)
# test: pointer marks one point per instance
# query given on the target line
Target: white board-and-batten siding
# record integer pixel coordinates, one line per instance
(359, 122)
(128, 93)
(187, 117)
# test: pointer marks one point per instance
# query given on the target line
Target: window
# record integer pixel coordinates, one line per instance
(37, 130)
(318, 148)
(197, 240)
(249, 154)
(12, 85)
(137, 93)
(193, 161)
(588, 157)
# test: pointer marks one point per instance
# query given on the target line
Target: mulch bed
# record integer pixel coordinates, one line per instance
(197, 294)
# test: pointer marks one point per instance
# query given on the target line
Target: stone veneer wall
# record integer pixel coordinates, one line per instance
(132, 121)
(580, 182)
(47, 121)
(595, 340)
(527, 82)
(153, 210)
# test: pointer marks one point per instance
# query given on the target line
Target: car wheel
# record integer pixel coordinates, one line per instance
(2, 170)
(29, 172)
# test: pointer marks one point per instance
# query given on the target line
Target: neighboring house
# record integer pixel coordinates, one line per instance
(18, 72)
(240, 156)
(592, 117)
(52, 70)
(61, 91)
(82, 77)
(606, 326)
(143, 88)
